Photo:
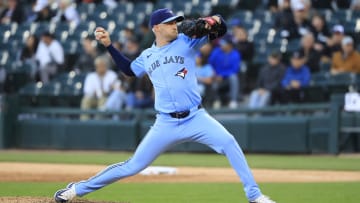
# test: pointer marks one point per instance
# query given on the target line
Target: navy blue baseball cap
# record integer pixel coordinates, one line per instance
(164, 15)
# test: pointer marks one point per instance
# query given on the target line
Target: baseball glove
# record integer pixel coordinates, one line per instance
(200, 27)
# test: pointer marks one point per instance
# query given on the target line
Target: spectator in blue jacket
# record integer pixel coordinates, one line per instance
(226, 61)
(296, 77)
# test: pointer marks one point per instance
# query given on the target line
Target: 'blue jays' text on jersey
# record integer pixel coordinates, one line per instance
(171, 69)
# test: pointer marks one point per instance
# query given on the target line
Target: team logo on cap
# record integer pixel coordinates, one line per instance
(182, 73)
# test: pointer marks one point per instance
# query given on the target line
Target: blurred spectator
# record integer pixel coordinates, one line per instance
(43, 13)
(275, 5)
(346, 60)
(355, 5)
(98, 85)
(88, 1)
(2, 6)
(284, 20)
(226, 62)
(50, 55)
(85, 61)
(39, 4)
(269, 81)
(312, 56)
(272, 5)
(147, 36)
(292, 22)
(321, 4)
(109, 3)
(126, 34)
(139, 90)
(331, 4)
(28, 53)
(296, 77)
(334, 43)
(12, 13)
(131, 48)
(205, 74)
(301, 19)
(320, 31)
(293, 3)
(341, 4)
(116, 99)
(118, 46)
(242, 43)
(143, 95)
(66, 13)
(29, 50)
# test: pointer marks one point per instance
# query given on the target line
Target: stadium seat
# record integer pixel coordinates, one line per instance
(342, 79)
(314, 94)
(145, 7)
(319, 79)
(243, 16)
(230, 3)
(327, 13)
(123, 7)
(340, 83)
(136, 18)
(71, 46)
(325, 67)
(4, 58)
(27, 95)
(355, 14)
(342, 15)
(66, 78)
(48, 94)
(357, 81)
(293, 45)
(352, 26)
(39, 28)
(265, 16)
(202, 10)
(164, 4)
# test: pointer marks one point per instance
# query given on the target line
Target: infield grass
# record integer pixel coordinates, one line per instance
(199, 192)
(315, 162)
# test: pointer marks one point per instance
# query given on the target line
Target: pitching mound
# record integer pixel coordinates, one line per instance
(39, 200)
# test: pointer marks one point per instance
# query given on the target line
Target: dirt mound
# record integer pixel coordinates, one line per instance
(40, 200)
(35, 172)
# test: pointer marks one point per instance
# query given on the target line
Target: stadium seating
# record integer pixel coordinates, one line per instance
(128, 14)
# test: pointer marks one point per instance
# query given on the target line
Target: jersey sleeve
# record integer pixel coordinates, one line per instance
(137, 66)
(195, 43)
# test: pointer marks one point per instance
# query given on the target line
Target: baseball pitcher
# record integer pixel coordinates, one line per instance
(170, 65)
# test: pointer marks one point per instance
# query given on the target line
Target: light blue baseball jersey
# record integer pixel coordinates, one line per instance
(172, 70)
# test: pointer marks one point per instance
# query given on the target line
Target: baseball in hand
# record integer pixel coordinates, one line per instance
(97, 33)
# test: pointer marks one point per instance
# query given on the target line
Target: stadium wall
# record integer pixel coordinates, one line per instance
(311, 128)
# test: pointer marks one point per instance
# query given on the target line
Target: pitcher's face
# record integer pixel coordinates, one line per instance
(167, 30)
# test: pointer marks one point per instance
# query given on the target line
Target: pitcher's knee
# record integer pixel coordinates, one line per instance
(228, 141)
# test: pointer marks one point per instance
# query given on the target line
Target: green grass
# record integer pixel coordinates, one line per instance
(199, 192)
(184, 159)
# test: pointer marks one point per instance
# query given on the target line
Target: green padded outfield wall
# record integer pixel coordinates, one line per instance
(278, 134)
(76, 134)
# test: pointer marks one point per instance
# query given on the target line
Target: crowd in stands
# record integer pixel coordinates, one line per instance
(223, 65)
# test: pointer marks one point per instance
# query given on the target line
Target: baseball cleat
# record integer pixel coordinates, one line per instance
(65, 195)
(262, 199)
